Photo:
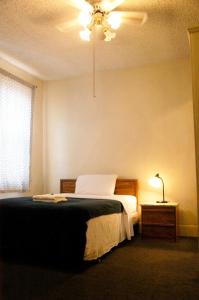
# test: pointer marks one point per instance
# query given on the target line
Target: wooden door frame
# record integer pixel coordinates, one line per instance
(195, 86)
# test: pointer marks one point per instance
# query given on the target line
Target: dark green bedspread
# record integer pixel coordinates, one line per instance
(54, 229)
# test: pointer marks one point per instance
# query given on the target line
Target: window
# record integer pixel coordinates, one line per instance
(15, 133)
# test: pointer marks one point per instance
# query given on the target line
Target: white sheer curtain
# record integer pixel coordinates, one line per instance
(15, 134)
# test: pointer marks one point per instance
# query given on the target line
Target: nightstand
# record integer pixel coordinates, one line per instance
(158, 220)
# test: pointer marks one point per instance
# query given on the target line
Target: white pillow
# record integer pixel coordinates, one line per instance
(95, 184)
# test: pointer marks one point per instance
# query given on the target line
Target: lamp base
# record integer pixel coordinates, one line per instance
(164, 201)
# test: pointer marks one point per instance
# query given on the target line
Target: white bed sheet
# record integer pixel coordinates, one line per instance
(105, 232)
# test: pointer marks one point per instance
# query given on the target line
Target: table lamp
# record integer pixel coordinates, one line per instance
(155, 181)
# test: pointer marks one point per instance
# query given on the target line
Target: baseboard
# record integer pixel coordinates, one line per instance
(187, 230)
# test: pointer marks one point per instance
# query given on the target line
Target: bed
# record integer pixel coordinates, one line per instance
(85, 227)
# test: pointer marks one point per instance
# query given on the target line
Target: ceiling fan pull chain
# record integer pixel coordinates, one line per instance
(94, 67)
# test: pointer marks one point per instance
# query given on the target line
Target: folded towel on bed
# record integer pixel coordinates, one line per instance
(49, 198)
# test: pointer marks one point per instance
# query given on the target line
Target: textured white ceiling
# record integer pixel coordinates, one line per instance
(29, 36)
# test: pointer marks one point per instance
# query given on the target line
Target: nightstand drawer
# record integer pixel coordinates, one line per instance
(158, 215)
(165, 232)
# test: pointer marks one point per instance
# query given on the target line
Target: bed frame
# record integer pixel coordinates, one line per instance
(122, 187)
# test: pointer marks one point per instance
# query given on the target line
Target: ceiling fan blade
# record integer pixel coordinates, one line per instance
(109, 5)
(60, 13)
(138, 18)
(80, 4)
(66, 26)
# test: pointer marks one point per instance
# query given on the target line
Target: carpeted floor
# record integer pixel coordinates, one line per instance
(140, 269)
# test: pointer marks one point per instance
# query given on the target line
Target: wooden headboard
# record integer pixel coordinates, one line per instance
(122, 187)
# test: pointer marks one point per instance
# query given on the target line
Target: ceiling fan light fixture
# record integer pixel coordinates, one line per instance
(99, 21)
(85, 35)
(109, 35)
(85, 18)
(114, 20)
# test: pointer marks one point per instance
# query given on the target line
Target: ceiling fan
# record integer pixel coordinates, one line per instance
(101, 18)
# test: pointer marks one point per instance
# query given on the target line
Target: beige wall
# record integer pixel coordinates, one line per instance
(37, 134)
(140, 123)
(194, 40)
